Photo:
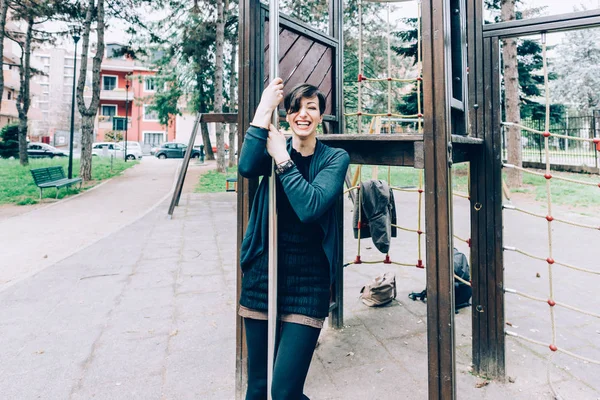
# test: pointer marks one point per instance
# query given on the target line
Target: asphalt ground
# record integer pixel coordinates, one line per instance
(130, 304)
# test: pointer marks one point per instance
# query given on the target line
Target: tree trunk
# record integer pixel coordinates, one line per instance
(87, 126)
(206, 140)
(3, 10)
(232, 102)
(89, 113)
(511, 90)
(220, 42)
(24, 100)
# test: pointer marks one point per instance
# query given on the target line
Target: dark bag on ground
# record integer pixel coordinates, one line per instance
(462, 291)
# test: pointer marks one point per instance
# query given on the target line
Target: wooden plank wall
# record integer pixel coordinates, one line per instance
(303, 59)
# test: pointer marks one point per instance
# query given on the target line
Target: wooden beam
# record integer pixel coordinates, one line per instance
(486, 229)
(438, 202)
(554, 23)
(227, 118)
(249, 90)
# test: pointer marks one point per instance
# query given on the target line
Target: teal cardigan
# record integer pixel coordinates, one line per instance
(312, 200)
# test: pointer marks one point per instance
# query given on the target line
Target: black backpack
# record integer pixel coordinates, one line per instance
(462, 291)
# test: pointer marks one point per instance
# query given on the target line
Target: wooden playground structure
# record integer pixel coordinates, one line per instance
(461, 122)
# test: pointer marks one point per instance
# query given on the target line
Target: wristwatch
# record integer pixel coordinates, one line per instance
(284, 166)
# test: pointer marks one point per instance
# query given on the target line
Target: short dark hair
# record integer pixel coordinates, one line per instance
(294, 97)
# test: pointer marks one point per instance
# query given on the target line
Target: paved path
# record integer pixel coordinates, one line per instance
(147, 312)
(47, 234)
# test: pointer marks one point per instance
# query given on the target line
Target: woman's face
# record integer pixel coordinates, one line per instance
(304, 122)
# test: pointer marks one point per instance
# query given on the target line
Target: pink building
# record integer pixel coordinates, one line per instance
(143, 125)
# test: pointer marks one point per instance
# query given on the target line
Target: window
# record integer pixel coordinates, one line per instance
(9, 94)
(108, 110)
(109, 82)
(150, 115)
(119, 124)
(46, 69)
(153, 138)
(43, 105)
(149, 85)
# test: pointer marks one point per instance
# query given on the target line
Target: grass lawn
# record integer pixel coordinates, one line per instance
(564, 193)
(16, 182)
(213, 181)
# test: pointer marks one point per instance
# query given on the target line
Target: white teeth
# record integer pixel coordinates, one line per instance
(303, 123)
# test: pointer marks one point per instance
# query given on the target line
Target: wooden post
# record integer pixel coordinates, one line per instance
(249, 89)
(336, 315)
(438, 205)
(486, 228)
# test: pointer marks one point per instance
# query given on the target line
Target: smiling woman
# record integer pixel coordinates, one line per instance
(309, 179)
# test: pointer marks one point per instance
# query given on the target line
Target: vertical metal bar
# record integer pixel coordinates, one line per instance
(272, 310)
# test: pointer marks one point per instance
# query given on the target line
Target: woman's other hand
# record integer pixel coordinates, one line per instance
(270, 99)
(276, 145)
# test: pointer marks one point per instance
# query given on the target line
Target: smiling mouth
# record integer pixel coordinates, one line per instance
(303, 123)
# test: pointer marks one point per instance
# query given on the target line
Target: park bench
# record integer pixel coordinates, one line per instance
(52, 177)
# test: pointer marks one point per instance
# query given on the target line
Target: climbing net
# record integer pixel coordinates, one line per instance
(418, 230)
(362, 78)
(550, 221)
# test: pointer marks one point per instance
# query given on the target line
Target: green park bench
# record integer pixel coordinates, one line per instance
(52, 177)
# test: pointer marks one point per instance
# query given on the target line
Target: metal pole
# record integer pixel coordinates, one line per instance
(272, 308)
(72, 134)
(126, 112)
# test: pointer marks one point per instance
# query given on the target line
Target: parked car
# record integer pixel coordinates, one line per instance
(174, 150)
(40, 150)
(132, 146)
(106, 149)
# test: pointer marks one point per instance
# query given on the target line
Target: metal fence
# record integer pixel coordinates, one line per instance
(562, 151)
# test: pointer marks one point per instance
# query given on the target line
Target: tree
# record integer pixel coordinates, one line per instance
(218, 104)
(410, 48)
(3, 12)
(232, 37)
(88, 113)
(514, 177)
(32, 13)
(578, 87)
(9, 145)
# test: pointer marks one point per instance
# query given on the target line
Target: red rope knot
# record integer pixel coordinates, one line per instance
(420, 264)
(553, 347)
(359, 225)
(419, 79)
(389, 79)
(548, 176)
(360, 78)
(546, 134)
(357, 260)
(387, 259)
(549, 218)
(359, 113)
(469, 242)
(389, 114)
(551, 303)
(420, 190)
(550, 260)
(419, 115)
(419, 232)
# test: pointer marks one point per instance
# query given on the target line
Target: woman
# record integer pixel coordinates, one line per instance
(310, 177)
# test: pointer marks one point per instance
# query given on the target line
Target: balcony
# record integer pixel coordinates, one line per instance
(11, 79)
(107, 122)
(9, 108)
(118, 94)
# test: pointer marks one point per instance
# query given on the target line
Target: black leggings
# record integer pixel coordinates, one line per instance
(293, 352)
